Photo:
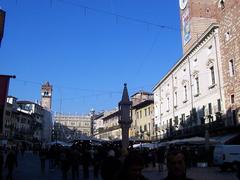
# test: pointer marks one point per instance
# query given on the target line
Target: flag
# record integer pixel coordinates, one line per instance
(4, 82)
(2, 21)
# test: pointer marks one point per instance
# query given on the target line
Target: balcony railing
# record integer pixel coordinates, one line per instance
(189, 130)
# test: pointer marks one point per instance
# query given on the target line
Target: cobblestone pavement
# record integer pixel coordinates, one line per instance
(29, 169)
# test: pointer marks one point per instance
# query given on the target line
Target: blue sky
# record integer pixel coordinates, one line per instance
(86, 54)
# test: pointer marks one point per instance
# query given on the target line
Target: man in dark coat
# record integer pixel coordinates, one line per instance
(176, 166)
(1, 163)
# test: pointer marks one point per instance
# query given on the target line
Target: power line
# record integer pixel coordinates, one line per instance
(117, 16)
(66, 87)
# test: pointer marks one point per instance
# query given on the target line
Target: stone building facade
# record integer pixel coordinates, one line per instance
(203, 86)
(111, 129)
(191, 93)
(70, 126)
(143, 126)
(24, 120)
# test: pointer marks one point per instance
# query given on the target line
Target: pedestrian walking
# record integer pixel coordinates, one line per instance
(43, 157)
(75, 161)
(23, 148)
(65, 163)
(238, 170)
(96, 163)
(110, 166)
(86, 159)
(161, 159)
(11, 162)
(1, 164)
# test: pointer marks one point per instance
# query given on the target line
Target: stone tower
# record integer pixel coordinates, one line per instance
(196, 16)
(125, 117)
(46, 96)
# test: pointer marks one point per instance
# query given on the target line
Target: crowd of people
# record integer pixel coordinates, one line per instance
(10, 161)
(109, 161)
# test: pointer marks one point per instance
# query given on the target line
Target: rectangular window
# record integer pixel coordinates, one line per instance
(176, 120)
(219, 105)
(185, 93)
(137, 115)
(232, 99)
(197, 85)
(149, 112)
(7, 113)
(145, 112)
(231, 68)
(140, 114)
(203, 111)
(212, 75)
(210, 108)
(145, 127)
(168, 104)
(175, 94)
(227, 36)
(183, 117)
(170, 122)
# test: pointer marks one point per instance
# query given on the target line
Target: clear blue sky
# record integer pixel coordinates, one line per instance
(87, 55)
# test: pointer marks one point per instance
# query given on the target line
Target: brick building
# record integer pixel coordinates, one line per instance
(196, 16)
(229, 25)
(202, 89)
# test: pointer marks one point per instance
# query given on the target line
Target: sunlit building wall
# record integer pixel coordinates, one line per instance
(191, 93)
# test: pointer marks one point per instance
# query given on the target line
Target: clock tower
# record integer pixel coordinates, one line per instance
(196, 16)
(46, 96)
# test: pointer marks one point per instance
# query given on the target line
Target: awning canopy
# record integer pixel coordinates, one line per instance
(193, 140)
(225, 138)
(59, 143)
(145, 145)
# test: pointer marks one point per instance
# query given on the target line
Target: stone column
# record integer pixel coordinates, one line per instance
(125, 117)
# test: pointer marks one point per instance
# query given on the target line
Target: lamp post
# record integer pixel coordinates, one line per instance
(125, 117)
